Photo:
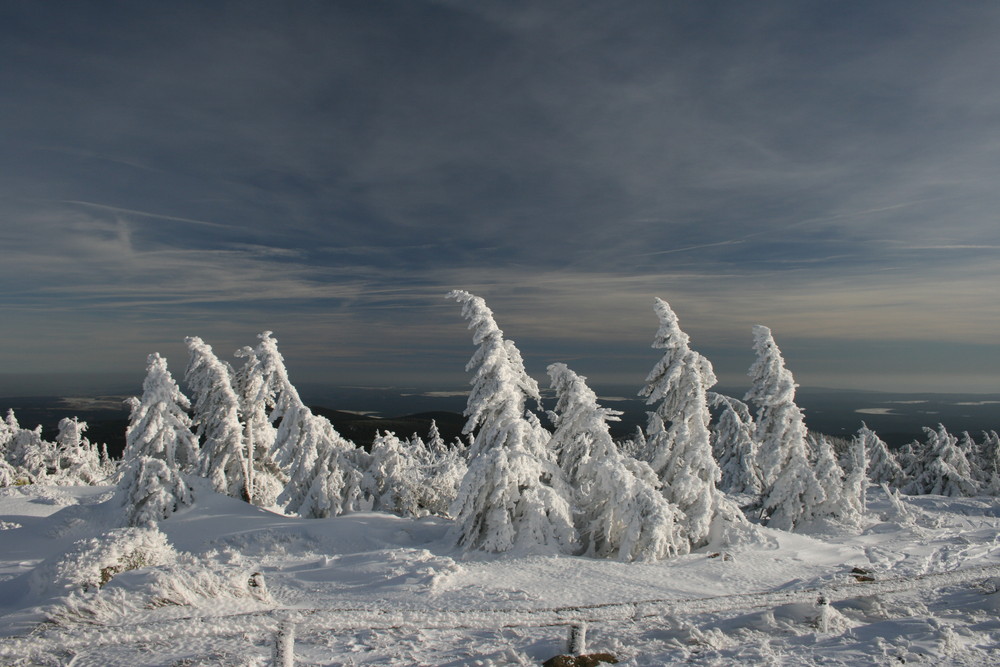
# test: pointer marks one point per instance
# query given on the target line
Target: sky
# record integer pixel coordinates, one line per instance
(330, 170)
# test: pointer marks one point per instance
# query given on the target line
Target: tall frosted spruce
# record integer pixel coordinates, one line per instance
(225, 459)
(619, 511)
(678, 440)
(158, 443)
(513, 494)
(323, 477)
(792, 494)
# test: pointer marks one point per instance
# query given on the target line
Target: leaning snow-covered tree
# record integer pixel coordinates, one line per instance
(619, 511)
(792, 494)
(224, 458)
(945, 470)
(734, 446)
(513, 495)
(679, 441)
(882, 465)
(150, 490)
(159, 426)
(302, 440)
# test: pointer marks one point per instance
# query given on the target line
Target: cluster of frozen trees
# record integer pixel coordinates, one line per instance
(521, 485)
(575, 490)
(941, 464)
(26, 458)
(571, 489)
(790, 477)
(249, 433)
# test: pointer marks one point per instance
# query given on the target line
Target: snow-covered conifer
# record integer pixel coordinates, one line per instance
(734, 446)
(150, 490)
(442, 477)
(224, 458)
(435, 443)
(78, 459)
(791, 492)
(945, 470)
(618, 513)
(513, 494)
(319, 451)
(256, 398)
(882, 464)
(854, 495)
(334, 485)
(841, 499)
(159, 426)
(393, 479)
(989, 462)
(681, 453)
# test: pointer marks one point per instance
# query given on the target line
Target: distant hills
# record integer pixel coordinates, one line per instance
(897, 418)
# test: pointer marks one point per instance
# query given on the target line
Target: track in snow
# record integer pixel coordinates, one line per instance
(48, 640)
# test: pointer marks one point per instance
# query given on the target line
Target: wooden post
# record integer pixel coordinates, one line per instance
(284, 645)
(576, 642)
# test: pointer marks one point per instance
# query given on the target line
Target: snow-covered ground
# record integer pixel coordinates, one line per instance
(376, 589)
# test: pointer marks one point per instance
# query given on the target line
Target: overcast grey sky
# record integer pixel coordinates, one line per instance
(329, 170)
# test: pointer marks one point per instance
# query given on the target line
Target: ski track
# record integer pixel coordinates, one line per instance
(52, 641)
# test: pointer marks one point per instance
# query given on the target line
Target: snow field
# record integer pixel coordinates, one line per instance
(377, 589)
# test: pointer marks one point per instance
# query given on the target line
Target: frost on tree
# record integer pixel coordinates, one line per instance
(734, 446)
(304, 444)
(619, 512)
(256, 398)
(150, 490)
(78, 461)
(945, 470)
(159, 426)
(393, 480)
(792, 494)
(322, 478)
(334, 485)
(843, 490)
(678, 438)
(882, 465)
(224, 458)
(989, 462)
(513, 494)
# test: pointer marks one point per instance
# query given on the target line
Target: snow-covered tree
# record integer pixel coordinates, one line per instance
(150, 490)
(619, 512)
(734, 446)
(335, 483)
(159, 426)
(224, 458)
(792, 494)
(442, 474)
(513, 495)
(882, 464)
(320, 452)
(911, 461)
(393, 479)
(78, 459)
(843, 490)
(679, 440)
(946, 470)
(435, 443)
(854, 496)
(256, 399)
(989, 462)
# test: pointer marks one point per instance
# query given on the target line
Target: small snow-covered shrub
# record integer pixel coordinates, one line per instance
(91, 563)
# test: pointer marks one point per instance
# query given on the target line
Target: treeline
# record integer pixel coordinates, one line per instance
(703, 471)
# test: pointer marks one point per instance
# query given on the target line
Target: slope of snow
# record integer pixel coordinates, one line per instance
(376, 589)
